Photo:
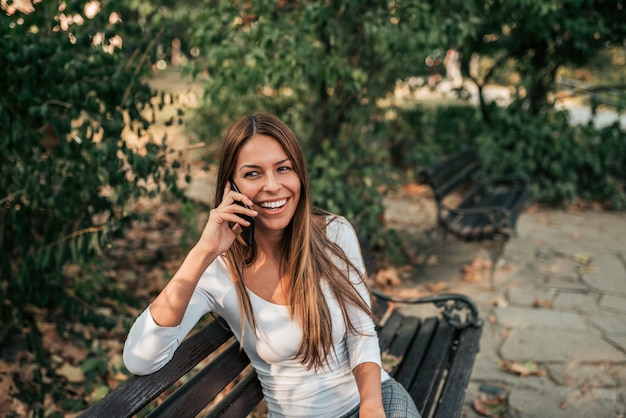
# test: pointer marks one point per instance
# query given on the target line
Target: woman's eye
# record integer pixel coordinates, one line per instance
(251, 174)
(284, 168)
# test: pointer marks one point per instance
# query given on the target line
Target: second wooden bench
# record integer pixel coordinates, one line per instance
(488, 209)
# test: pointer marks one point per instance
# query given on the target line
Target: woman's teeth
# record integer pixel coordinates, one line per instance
(274, 205)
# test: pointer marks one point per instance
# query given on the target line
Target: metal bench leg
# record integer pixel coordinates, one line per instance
(495, 247)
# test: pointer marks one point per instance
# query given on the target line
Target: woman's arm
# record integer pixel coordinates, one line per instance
(218, 235)
(367, 376)
(156, 334)
(170, 305)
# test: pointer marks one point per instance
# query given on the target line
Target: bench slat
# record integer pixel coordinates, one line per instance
(193, 396)
(241, 400)
(453, 393)
(425, 385)
(451, 173)
(138, 391)
(387, 333)
(414, 351)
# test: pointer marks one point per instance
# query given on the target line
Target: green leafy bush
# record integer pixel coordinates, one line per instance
(564, 162)
(74, 115)
(425, 133)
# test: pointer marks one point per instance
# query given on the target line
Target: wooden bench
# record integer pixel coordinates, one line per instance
(488, 211)
(432, 357)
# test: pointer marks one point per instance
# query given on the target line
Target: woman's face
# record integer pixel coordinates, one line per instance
(265, 174)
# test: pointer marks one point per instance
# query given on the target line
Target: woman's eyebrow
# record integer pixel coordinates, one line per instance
(257, 166)
(249, 165)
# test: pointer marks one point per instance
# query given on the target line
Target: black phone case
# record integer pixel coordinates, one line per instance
(248, 231)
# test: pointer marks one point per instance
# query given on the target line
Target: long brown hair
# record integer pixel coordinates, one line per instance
(308, 260)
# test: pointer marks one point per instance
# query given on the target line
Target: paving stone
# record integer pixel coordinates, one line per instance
(473, 391)
(609, 322)
(556, 267)
(567, 283)
(505, 272)
(486, 369)
(572, 403)
(581, 375)
(618, 372)
(577, 301)
(618, 339)
(531, 403)
(609, 275)
(519, 251)
(526, 277)
(542, 345)
(528, 296)
(616, 303)
(517, 317)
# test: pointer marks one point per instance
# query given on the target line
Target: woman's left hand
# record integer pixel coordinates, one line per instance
(368, 412)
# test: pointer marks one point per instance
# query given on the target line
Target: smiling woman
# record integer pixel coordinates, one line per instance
(295, 297)
(265, 173)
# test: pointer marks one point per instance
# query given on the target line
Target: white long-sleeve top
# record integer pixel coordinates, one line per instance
(290, 389)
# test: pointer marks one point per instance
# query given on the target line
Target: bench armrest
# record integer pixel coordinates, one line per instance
(458, 310)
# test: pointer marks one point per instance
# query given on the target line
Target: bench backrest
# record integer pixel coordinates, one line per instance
(452, 173)
(223, 362)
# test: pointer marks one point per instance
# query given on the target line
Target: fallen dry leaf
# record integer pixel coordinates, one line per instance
(472, 275)
(387, 277)
(50, 337)
(500, 302)
(542, 303)
(586, 269)
(437, 287)
(7, 389)
(414, 189)
(583, 259)
(74, 353)
(71, 373)
(390, 362)
(474, 272)
(490, 405)
(522, 369)
(432, 261)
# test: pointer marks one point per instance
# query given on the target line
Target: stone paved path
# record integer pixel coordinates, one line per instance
(560, 301)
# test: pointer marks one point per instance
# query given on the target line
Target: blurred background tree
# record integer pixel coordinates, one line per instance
(324, 67)
(529, 42)
(527, 46)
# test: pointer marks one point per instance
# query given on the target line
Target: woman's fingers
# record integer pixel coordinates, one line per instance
(232, 196)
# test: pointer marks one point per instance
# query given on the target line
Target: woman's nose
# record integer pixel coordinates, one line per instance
(271, 184)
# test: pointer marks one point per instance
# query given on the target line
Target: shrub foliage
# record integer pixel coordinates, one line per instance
(71, 100)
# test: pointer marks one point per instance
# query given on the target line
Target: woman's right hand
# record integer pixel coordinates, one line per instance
(225, 224)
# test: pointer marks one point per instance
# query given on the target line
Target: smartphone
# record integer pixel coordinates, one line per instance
(248, 231)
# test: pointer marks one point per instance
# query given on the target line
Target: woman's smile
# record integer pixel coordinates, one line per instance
(277, 204)
(266, 175)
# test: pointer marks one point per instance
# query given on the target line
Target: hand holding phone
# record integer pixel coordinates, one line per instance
(248, 231)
